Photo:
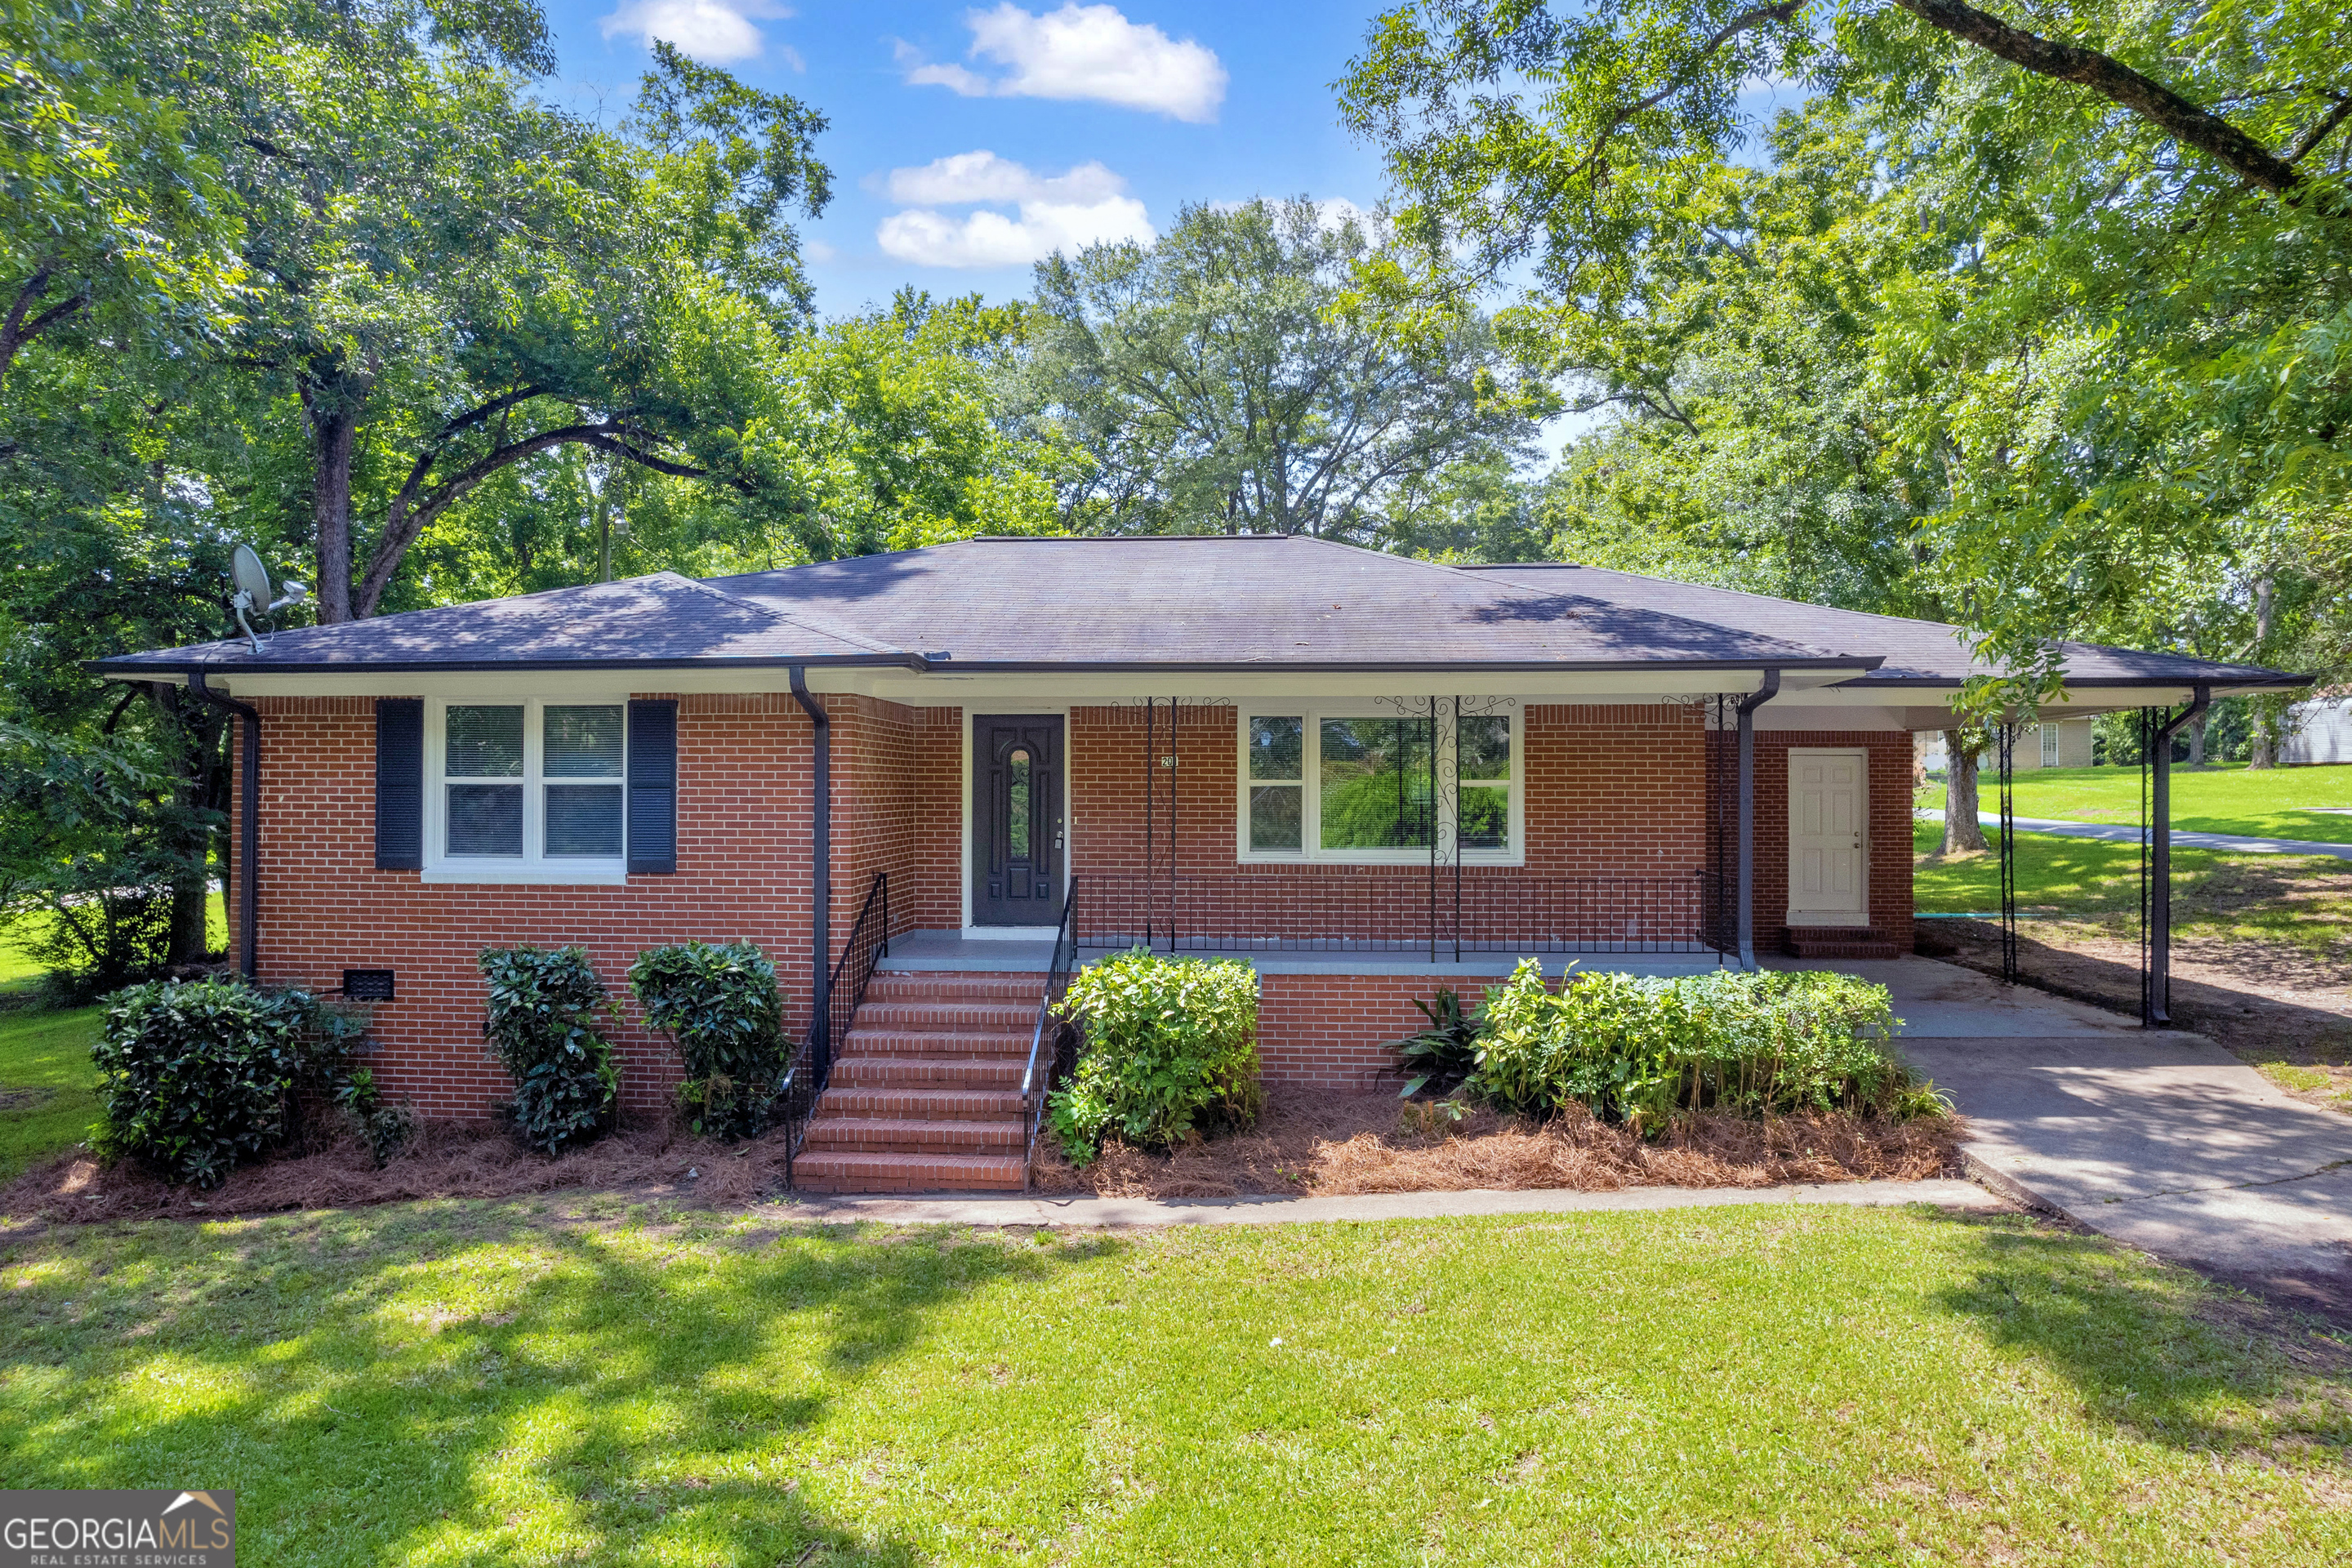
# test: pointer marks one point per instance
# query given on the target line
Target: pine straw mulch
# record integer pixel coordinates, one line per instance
(443, 1159)
(1308, 1142)
(1327, 1143)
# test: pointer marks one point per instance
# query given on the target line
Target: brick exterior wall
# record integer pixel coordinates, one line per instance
(1889, 775)
(1610, 791)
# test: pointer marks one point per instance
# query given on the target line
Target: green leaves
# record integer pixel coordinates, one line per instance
(718, 1004)
(542, 1009)
(1172, 1047)
(1641, 1050)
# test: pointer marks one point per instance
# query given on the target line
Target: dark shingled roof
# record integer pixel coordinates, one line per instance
(1158, 603)
(1918, 653)
(1068, 603)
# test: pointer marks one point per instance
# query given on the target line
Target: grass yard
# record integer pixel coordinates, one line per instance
(19, 974)
(2302, 900)
(490, 1383)
(47, 1096)
(2273, 803)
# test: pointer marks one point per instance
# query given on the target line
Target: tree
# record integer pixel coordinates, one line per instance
(1220, 378)
(2118, 339)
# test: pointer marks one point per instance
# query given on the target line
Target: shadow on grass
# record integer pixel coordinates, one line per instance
(2158, 1351)
(443, 1384)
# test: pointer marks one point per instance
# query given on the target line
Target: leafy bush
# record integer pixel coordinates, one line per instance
(1443, 1055)
(1639, 1050)
(1172, 1044)
(544, 1007)
(200, 1077)
(719, 1006)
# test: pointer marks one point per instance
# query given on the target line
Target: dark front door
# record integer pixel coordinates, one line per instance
(1016, 819)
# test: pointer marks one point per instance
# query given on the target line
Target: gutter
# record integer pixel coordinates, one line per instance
(249, 831)
(820, 875)
(1747, 911)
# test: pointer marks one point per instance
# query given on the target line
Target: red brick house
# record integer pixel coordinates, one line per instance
(1368, 775)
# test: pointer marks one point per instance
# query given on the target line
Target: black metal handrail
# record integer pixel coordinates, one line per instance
(1034, 1089)
(829, 1019)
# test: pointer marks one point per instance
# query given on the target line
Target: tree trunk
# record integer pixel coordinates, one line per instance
(2263, 750)
(2197, 739)
(1962, 831)
(334, 433)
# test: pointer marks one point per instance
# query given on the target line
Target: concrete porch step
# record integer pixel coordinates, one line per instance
(928, 1071)
(893, 1102)
(1838, 941)
(839, 1170)
(865, 1042)
(914, 1135)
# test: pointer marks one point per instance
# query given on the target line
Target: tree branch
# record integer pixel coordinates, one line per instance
(1745, 22)
(2169, 112)
(2319, 132)
(16, 331)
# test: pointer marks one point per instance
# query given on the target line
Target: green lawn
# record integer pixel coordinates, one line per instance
(2303, 899)
(18, 973)
(479, 1384)
(2273, 803)
(47, 1097)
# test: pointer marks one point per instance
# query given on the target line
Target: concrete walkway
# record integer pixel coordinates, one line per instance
(2118, 833)
(1087, 1212)
(2158, 1138)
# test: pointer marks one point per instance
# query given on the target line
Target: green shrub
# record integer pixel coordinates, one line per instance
(200, 1077)
(1640, 1049)
(1440, 1056)
(544, 1007)
(719, 1006)
(1172, 1044)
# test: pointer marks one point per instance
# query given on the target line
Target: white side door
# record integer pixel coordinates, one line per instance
(1828, 848)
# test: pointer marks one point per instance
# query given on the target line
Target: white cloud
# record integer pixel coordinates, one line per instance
(1082, 52)
(717, 32)
(1086, 206)
(983, 176)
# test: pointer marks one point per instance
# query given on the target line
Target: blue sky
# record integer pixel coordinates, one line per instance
(966, 140)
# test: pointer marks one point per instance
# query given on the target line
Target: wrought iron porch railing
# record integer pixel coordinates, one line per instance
(1064, 1037)
(805, 1080)
(1402, 910)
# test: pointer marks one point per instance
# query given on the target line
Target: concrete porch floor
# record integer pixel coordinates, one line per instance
(948, 951)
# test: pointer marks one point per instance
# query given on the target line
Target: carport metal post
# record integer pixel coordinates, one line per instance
(2155, 1010)
(1747, 913)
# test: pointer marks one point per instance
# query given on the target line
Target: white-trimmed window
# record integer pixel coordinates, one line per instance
(1353, 783)
(527, 790)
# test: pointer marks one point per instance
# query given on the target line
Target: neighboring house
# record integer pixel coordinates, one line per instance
(2319, 730)
(2045, 744)
(1368, 775)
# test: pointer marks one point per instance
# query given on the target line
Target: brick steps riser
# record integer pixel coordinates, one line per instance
(978, 1018)
(865, 1042)
(877, 1135)
(1025, 993)
(833, 1170)
(853, 1102)
(938, 1072)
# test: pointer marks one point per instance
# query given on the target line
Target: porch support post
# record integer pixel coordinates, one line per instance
(1747, 911)
(2158, 1012)
(821, 873)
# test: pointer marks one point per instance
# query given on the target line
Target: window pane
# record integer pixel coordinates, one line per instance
(1277, 748)
(1016, 804)
(1486, 816)
(583, 819)
(582, 742)
(1275, 817)
(1375, 784)
(485, 819)
(1484, 742)
(485, 742)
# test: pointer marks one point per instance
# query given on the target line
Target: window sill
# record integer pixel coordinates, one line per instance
(529, 876)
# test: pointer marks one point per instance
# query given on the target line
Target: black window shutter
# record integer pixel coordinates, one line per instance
(653, 786)
(400, 784)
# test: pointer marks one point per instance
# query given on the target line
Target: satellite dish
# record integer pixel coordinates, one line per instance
(251, 577)
(252, 580)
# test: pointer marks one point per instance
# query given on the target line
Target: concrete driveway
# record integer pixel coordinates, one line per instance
(2158, 1138)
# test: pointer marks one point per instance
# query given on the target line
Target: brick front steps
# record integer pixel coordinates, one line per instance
(1838, 941)
(925, 1095)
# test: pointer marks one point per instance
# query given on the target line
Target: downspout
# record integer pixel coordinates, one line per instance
(821, 873)
(249, 831)
(2159, 918)
(1748, 706)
